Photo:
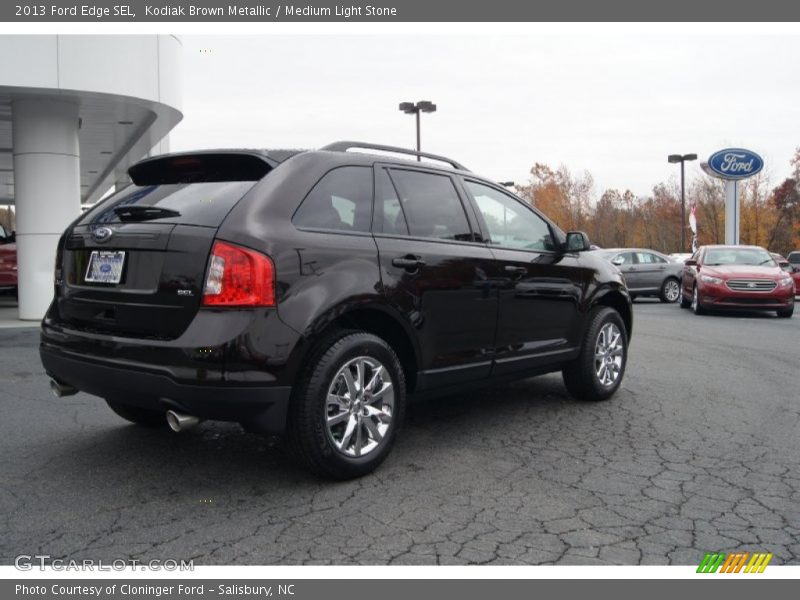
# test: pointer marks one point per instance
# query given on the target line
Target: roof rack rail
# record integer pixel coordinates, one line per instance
(347, 145)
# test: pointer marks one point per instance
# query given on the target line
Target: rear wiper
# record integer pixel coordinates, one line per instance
(144, 213)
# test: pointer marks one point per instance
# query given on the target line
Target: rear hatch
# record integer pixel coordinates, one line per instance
(135, 264)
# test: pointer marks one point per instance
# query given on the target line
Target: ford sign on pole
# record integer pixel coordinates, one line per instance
(735, 163)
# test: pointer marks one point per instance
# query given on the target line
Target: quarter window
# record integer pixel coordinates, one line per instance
(510, 223)
(341, 201)
(431, 205)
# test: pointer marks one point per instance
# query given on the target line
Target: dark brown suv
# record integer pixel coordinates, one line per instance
(313, 293)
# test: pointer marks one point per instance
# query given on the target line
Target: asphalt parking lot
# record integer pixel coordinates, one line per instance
(699, 451)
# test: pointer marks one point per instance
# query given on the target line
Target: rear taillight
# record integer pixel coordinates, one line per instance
(239, 277)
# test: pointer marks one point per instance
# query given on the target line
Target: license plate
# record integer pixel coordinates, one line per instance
(105, 266)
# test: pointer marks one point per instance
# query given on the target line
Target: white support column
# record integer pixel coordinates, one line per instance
(47, 190)
(732, 212)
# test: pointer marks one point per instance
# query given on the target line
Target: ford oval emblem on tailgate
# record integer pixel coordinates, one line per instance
(102, 234)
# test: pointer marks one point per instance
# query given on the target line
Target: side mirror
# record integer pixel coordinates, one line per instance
(689, 262)
(577, 241)
(618, 260)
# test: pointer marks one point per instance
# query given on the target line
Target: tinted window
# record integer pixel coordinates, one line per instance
(196, 203)
(510, 223)
(431, 205)
(389, 217)
(341, 200)
(794, 258)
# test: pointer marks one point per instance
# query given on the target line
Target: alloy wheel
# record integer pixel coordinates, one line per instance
(359, 406)
(671, 290)
(608, 354)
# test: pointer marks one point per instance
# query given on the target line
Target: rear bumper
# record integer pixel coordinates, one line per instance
(258, 408)
(228, 366)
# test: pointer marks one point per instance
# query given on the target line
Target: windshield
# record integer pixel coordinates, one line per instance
(739, 256)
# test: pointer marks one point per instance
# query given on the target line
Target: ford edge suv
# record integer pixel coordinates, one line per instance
(311, 294)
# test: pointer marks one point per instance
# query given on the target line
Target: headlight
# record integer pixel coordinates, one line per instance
(785, 281)
(709, 279)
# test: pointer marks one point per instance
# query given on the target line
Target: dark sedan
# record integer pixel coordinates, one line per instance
(647, 272)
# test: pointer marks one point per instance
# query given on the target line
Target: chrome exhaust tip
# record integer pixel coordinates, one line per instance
(181, 422)
(61, 389)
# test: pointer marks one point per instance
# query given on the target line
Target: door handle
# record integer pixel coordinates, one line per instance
(408, 262)
(515, 270)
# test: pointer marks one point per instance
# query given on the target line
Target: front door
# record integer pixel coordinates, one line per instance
(539, 288)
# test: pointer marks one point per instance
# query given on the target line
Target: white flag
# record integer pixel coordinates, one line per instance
(693, 219)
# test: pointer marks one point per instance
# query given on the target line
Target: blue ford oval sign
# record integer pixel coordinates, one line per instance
(735, 163)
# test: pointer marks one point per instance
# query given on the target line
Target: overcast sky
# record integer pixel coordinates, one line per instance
(613, 105)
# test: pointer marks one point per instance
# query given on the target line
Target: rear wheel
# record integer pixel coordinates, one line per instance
(597, 372)
(346, 412)
(696, 306)
(786, 313)
(140, 416)
(670, 290)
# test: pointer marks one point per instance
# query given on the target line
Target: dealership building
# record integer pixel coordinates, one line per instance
(75, 112)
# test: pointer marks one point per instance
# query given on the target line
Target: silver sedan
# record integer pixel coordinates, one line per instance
(647, 272)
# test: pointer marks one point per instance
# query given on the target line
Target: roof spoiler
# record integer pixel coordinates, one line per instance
(197, 167)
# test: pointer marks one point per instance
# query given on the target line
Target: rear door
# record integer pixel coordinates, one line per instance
(651, 270)
(435, 273)
(539, 288)
(134, 265)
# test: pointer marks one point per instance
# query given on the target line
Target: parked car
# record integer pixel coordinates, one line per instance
(8, 261)
(792, 269)
(736, 277)
(647, 272)
(311, 293)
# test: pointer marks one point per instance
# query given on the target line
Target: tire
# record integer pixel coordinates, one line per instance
(582, 376)
(670, 290)
(325, 435)
(697, 308)
(140, 416)
(786, 313)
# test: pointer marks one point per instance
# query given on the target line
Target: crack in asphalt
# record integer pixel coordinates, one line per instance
(699, 451)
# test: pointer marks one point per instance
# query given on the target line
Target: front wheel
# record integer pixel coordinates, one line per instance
(346, 411)
(670, 290)
(697, 308)
(597, 372)
(786, 313)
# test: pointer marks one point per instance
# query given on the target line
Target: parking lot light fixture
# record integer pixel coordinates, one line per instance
(682, 158)
(411, 108)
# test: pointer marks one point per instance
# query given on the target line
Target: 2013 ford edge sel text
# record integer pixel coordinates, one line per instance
(311, 294)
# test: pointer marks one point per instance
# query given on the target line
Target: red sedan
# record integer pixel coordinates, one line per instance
(736, 277)
(8, 263)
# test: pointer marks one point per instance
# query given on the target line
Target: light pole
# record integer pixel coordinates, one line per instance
(414, 109)
(682, 158)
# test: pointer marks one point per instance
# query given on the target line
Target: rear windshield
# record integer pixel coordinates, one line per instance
(206, 204)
